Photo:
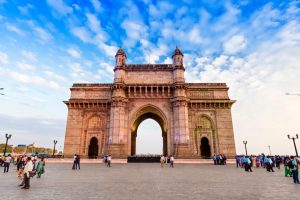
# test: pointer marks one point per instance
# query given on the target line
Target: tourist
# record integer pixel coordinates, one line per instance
(215, 159)
(7, 161)
(105, 160)
(19, 163)
(237, 161)
(287, 169)
(40, 168)
(162, 160)
(77, 163)
(278, 161)
(74, 161)
(27, 170)
(109, 161)
(294, 167)
(171, 161)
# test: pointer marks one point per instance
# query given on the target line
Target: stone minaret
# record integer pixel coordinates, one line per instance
(118, 125)
(180, 107)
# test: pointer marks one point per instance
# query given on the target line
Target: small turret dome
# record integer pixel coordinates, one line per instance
(121, 52)
(177, 51)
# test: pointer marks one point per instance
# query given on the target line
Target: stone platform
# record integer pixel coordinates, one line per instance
(123, 161)
(148, 181)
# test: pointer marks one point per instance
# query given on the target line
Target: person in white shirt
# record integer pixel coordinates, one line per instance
(108, 161)
(162, 160)
(27, 169)
(7, 162)
(171, 161)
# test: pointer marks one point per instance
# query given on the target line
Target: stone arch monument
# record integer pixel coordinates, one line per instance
(189, 114)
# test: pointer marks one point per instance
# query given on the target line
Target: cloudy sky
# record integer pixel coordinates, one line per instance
(252, 45)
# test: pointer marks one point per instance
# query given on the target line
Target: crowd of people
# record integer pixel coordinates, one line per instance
(219, 159)
(27, 167)
(291, 164)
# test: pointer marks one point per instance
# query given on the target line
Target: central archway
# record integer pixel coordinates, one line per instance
(149, 112)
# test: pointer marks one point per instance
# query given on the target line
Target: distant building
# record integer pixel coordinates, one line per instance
(195, 118)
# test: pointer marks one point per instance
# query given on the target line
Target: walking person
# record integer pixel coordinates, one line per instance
(27, 169)
(7, 161)
(40, 168)
(162, 160)
(294, 167)
(171, 161)
(109, 161)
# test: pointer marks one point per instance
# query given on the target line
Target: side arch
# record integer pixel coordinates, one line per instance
(205, 127)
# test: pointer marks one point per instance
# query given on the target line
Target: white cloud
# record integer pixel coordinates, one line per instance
(220, 61)
(43, 34)
(24, 9)
(3, 58)
(13, 28)
(83, 34)
(135, 31)
(108, 49)
(76, 7)
(29, 55)
(60, 7)
(235, 44)
(96, 4)
(74, 52)
(55, 76)
(25, 66)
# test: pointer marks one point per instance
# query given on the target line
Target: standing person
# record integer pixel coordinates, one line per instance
(7, 161)
(74, 161)
(171, 161)
(294, 167)
(105, 160)
(162, 160)
(40, 168)
(19, 163)
(77, 163)
(108, 161)
(237, 160)
(27, 169)
(287, 170)
(215, 159)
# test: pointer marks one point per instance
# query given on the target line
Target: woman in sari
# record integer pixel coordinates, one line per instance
(40, 168)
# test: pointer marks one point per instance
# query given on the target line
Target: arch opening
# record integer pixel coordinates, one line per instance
(149, 112)
(149, 138)
(93, 148)
(205, 148)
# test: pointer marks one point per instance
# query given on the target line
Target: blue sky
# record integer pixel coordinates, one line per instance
(253, 46)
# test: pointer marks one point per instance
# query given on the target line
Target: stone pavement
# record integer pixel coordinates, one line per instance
(149, 181)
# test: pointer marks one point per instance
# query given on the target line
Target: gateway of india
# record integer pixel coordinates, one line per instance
(195, 118)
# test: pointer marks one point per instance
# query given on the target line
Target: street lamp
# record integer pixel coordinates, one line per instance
(294, 138)
(55, 142)
(8, 136)
(269, 149)
(245, 143)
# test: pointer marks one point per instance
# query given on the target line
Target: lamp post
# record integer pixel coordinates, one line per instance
(8, 136)
(245, 143)
(269, 150)
(1, 89)
(294, 138)
(55, 142)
